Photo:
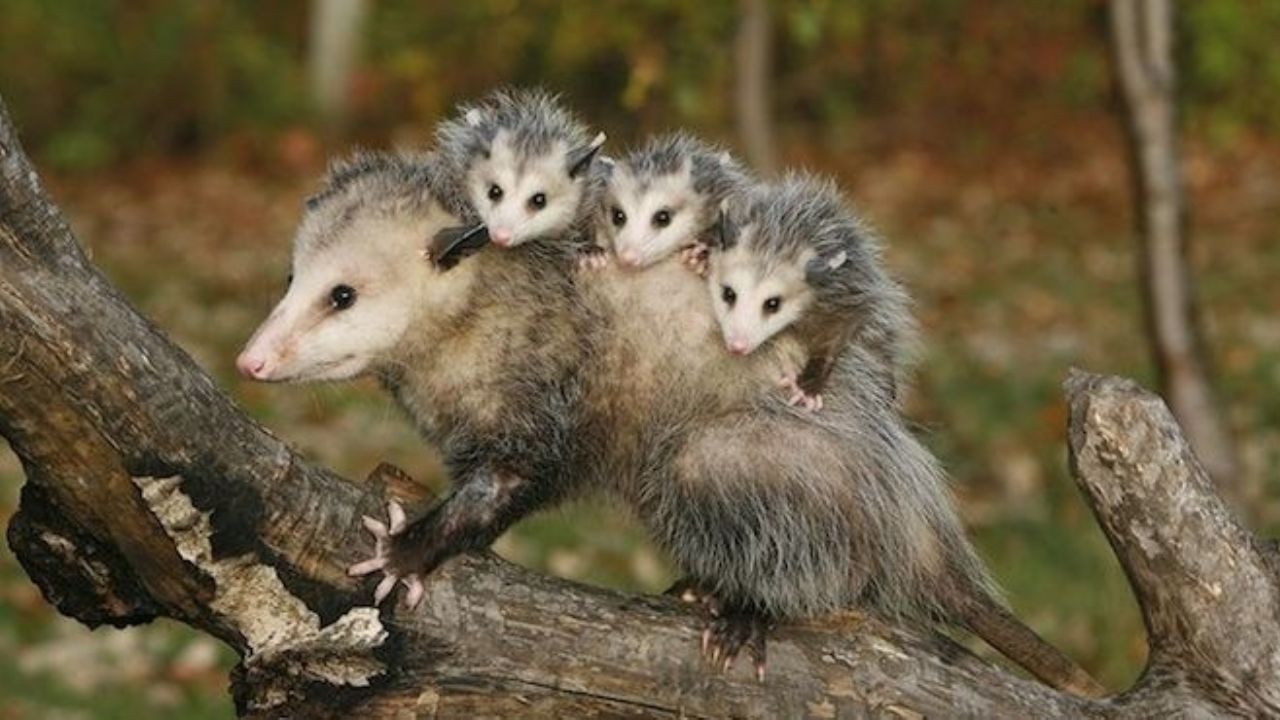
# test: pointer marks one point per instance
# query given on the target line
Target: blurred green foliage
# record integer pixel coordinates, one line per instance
(95, 82)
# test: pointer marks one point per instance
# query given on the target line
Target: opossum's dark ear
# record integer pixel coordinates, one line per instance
(726, 231)
(580, 159)
(819, 268)
(607, 164)
(452, 244)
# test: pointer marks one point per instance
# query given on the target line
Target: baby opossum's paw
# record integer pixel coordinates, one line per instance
(694, 257)
(731, 630)
(593, 259)
(809, 401)
(383, 535)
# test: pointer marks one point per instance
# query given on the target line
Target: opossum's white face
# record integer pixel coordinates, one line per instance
(354, 286)
(646, 222)
(520, 198)
(753, 300)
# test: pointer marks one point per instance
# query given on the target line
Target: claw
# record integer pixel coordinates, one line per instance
(384, 589)
(365, 567)
(396, 514)
(415, 591)
(376, 527)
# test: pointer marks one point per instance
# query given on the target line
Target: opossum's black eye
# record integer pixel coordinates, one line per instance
(288, 282)
(728, 295)
(662, 218)
(495, 193)
(619, 217)
(772, 304)
(342, 297)
(538, 201)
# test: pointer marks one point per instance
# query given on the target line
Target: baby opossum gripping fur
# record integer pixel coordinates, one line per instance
(527, 165)
(792, 258)
(539, 383)
(665, 196)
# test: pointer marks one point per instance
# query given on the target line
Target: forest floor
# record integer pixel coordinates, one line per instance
(1020, 271)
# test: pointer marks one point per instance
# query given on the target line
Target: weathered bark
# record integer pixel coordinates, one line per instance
(753, 65)
(149, 494)
(1142, 53)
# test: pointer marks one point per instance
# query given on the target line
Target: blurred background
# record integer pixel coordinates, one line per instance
(986, 140)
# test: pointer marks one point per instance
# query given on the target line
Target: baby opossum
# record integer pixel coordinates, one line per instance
(539, 384)
(791, 257)
(664, 197)
(526, 164)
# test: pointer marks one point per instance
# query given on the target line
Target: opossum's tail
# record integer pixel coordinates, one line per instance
(985, 617)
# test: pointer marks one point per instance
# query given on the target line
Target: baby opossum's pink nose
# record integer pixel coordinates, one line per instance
(500, 236)
(629, 257)
(251, 366)
(738, 346)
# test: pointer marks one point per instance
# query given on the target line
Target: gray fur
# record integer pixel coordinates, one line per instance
(539, 384)
(535, 118)
(536, 121)
(715, 172)
(780, 222)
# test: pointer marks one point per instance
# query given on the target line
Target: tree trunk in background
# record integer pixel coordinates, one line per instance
(150, 494)
(336, 27)
(1142, 52)
(753, 61)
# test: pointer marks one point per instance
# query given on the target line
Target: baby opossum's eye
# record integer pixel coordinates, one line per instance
(619, 217)
(342, 297)
(772, 304)
(288, 282)
(537, 201)
(728, 295)
(662, 218)
(495, 193)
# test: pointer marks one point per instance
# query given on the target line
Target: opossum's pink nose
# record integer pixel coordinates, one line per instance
(629, 256)
(739, 346)
(252, 366)
(500, 236)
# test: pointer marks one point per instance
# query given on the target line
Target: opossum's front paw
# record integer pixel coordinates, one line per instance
(593, 259)
(695, 257)
(384, 535)
(732, 630)
(799, 396)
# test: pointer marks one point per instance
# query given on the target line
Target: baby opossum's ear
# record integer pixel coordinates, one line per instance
(820, 269)
(580, 159)
(607, 164)
(452, 244)
(726, 230)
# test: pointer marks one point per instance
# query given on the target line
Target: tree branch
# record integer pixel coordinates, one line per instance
(1142, 56)
(148, 493)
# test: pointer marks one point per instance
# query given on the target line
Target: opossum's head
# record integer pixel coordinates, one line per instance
(755, 296)
(648, 218)
(526, 162)
(778, 251)
(522, 195)
(664, 196)
(358, 274)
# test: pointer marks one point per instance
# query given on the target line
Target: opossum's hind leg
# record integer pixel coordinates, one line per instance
(730, 630)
